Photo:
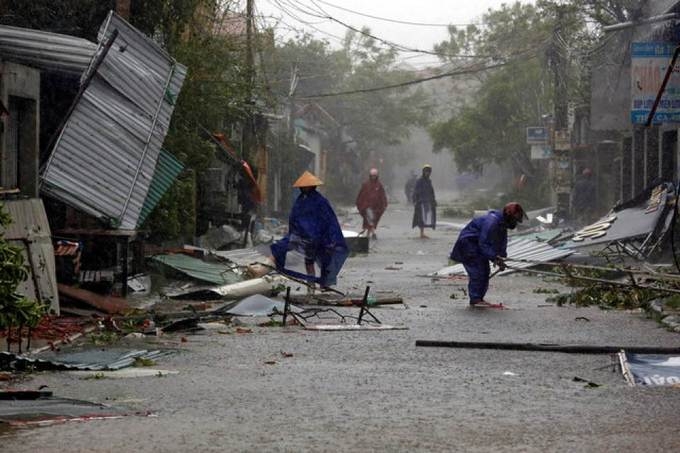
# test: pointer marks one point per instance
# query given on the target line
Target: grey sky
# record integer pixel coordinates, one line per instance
(413, 36)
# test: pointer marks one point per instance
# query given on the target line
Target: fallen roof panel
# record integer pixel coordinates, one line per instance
(217, 273)
(45, 50)
(90, 360)
(104, 160)
(518, 249)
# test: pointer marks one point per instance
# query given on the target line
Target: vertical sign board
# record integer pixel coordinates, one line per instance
(649, 62)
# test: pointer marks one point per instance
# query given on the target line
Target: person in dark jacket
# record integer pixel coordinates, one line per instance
(371, 203)
(484, 240)
(424, 203)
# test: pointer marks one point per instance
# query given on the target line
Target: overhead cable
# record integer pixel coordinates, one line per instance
(396, 21)
(400, 47)
(469, 70)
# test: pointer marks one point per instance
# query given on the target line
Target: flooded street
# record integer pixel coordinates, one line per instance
(287, 389)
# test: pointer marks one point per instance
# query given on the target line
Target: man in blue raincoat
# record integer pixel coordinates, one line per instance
(482, 241)
(313, 231)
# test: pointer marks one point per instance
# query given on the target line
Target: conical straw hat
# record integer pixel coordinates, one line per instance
(307, 180)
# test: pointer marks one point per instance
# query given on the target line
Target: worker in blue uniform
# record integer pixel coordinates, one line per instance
(314, 232)
(483, 241)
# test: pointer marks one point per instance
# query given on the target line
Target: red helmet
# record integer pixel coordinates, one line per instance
(515, 211)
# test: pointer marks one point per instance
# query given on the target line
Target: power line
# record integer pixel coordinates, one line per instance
(396, 21)
(321, 14)
(277, 4)
(469, 70)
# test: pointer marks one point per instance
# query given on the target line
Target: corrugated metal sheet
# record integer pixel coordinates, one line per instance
(31, 232)
(167, 169)
(217, 273)
(519, 249)
(244, 257)
(93, 360)
(104, 161)
(46, 50)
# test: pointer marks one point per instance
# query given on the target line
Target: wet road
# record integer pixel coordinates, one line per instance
(375, 391)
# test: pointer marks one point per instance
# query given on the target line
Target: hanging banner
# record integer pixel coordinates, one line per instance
(649, 62)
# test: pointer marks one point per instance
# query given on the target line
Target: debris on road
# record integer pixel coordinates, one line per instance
(650, 369)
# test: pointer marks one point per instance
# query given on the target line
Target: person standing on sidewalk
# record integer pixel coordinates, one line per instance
(371, 203)
(424, 203)
(484, 240)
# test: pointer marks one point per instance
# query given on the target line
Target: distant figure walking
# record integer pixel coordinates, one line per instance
(410, 185)
(583, 197)
(424, 203)
(371, 203)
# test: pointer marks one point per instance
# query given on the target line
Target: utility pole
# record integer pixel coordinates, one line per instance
(294, 79)
(291, 156)
(561, 139)
(249, 133)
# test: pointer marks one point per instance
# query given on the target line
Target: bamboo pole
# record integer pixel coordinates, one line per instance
(658, 275)
(597, 280)
(547, 347)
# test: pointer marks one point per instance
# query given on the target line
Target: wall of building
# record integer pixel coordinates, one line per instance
(19, 132)
(651, 156)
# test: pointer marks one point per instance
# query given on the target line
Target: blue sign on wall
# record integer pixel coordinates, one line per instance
(537, 135)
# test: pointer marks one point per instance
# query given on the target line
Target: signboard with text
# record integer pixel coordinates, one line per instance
(537, 135)
(649, 62)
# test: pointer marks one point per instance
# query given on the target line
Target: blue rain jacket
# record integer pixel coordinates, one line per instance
(485, 236)
(314, 231)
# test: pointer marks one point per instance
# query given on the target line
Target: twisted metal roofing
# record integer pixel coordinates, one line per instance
(45, 50)
(104, 160)
(518, 249)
